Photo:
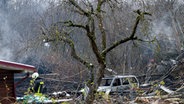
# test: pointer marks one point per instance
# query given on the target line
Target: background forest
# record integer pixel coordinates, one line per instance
(26, 25)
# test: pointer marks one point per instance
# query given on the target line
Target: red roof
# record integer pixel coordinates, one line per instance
(8, 65)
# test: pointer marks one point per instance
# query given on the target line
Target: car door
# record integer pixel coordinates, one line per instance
(116, 84)
(125, 85)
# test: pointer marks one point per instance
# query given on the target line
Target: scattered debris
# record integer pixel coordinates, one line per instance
(60, 94)
(166, 89)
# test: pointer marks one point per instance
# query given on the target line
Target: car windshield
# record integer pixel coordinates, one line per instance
(106, 82)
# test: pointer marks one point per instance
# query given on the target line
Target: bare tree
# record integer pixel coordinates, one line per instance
(92, 14)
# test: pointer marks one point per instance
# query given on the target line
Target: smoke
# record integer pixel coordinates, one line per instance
(5, 33)
(181, 1)
(162, 28)
(17, 25)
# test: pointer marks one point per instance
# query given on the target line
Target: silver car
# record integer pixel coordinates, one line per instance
(118, 84)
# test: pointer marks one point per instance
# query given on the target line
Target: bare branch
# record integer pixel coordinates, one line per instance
(82, 11)
(71, 24)
(99, 5)
(91, 6)
(72, 46)
(100, 24)
(91, 37)
(117, 44)
(132, 35)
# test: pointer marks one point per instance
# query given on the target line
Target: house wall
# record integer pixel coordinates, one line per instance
(6, 85)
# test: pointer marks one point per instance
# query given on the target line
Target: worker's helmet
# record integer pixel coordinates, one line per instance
(35, 75)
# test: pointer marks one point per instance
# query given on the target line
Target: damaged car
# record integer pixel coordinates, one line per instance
(118, 84)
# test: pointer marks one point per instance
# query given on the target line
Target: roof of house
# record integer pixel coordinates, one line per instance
(16, 67)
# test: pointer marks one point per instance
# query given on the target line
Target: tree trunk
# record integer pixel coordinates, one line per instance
(94, 85)
(91, 95)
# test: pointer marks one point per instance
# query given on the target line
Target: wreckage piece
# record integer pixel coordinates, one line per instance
(166, 89)
(40, 100)
(180, 89)
(173, 97)
(179, 92)
(168, 72)
(165, 99)
(60, 94)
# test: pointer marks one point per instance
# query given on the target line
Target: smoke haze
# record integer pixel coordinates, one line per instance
(17, 21)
